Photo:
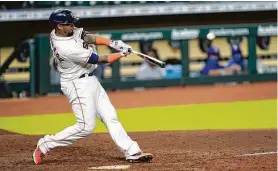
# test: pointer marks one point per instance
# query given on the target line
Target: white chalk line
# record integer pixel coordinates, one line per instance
(257, 154)
(110, 167)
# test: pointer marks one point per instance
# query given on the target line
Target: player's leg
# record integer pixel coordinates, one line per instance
(107, 113)
(79, 93)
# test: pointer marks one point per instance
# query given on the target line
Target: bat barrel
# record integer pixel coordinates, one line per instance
(153, 60)
(157, 62)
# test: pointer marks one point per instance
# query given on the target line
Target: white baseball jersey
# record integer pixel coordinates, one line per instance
(72, 54)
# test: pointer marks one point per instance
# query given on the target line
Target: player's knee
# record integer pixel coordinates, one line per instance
(85, 129)
(89, 128)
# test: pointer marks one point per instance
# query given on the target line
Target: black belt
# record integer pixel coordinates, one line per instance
(84, 75)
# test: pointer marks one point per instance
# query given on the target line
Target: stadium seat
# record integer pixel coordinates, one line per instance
(269, 62)
(14, 76)
(196, 67)
(244, 47)
(165, 51)
(5, 53)
(127, 71)
(194, 51)
(272, 47)
(107, 72)
(17, 77)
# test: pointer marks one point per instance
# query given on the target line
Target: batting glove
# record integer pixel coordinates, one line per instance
(125, 52)
(119, 45)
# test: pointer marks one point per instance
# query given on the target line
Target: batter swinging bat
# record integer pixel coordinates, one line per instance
(150, 59)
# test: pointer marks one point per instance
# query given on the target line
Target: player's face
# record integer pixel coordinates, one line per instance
(67, 29)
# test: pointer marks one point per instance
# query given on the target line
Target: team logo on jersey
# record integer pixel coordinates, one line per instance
(85, 45)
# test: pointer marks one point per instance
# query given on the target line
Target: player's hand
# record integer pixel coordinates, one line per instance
(127, 47)
(125, 52)
(119, 45)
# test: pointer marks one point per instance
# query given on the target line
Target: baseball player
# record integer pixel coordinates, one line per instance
(212, 66)
(75, 55)
(237, 58)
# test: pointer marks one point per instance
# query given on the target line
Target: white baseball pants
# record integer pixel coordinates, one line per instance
(89, 100)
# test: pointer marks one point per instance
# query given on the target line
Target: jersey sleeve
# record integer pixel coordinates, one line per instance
(79, 54)
(78, 32)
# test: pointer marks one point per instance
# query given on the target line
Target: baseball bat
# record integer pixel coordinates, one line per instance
(150, 59)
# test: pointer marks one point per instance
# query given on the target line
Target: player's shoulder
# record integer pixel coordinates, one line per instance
(78, 32)
(63, 47)
(78, 28)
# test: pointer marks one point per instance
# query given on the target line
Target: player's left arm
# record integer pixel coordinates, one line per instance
(92, 38)
(113, 57)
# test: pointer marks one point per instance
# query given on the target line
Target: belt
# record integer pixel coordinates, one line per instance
(86, 74)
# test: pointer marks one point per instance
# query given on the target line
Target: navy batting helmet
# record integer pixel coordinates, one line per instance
(62, 16)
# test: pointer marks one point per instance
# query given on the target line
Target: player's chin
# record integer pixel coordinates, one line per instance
(70, 34)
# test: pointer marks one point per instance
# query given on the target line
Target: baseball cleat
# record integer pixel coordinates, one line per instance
(140, 157)
(38, 156)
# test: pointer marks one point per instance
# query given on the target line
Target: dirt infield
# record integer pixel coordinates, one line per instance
(173, 151)
(180, 150)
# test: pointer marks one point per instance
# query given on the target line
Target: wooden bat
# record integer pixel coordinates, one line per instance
(150, 59)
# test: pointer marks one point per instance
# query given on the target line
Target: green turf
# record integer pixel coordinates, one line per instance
(236, 115)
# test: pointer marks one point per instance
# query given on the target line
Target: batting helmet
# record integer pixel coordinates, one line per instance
(62, 16)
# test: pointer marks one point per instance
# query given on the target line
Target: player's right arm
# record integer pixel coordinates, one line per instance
(101, 40)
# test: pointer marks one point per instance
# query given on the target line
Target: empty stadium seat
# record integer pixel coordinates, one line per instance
(196, 67)
(6, 52)
(16, 77)
(128, 71)
(269, 62)
(165, 51)
(272, 47)
(194, 51)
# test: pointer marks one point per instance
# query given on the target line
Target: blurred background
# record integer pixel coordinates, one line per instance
(215, 41)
